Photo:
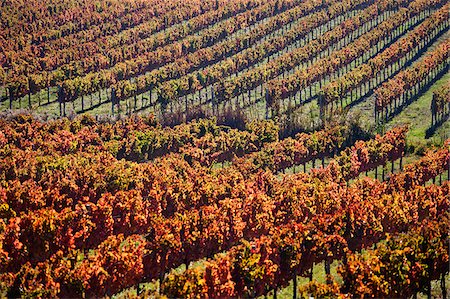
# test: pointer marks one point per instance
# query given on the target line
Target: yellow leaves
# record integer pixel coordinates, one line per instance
(190, 284)
(6, 211)
(102, 273)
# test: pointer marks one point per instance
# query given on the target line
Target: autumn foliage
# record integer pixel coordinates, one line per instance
(79, 216)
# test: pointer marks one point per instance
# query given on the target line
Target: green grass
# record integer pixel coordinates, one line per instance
(105, 108)
(418, 117)
(152, 288)
(319, 276)
(285, 293)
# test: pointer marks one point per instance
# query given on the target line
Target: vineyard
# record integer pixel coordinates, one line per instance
(224, 149)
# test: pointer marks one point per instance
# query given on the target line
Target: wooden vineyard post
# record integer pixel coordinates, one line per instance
(29, 92)
(214, 104)
(433, 110)
(448, 169)
(443, 287)
(113, 99)
(401, 162)
(327, 269)
(322, 108)
(294, 295)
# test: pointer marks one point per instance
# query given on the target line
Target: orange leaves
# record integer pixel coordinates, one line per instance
(219, 280)
(344, 217)
(338, 88)
(277, 156)
(400, 266)
(319, 290)
(428, 167)
(404, 80)
(38, 281)
(75, 212)
(190, 285)
(364, 156)
(441, 97)
(116, 264)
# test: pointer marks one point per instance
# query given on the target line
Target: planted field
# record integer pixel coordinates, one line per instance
(224, 149)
